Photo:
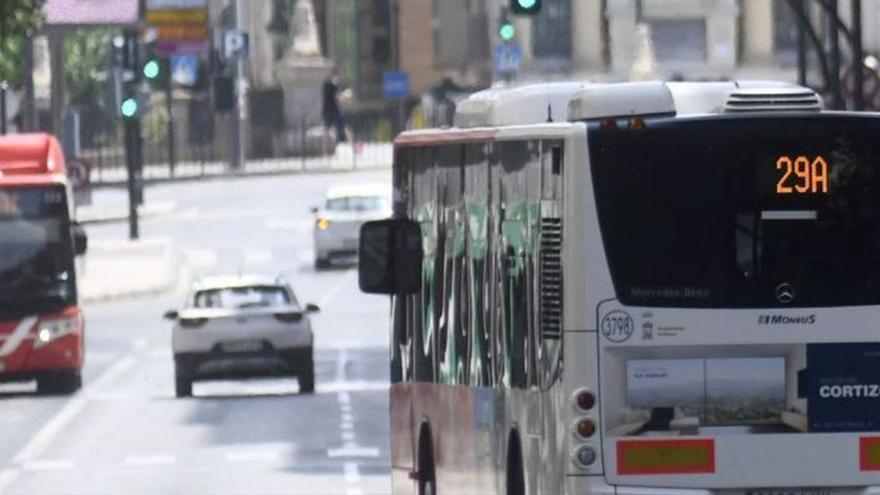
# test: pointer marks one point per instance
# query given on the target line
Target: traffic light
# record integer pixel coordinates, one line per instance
(157, 72)
(129, 107)
(506, 28)
(507, 31)
(525, 7)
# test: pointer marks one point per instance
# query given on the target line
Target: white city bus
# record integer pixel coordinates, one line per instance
(637, 288)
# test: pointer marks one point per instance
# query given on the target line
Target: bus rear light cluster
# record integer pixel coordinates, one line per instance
(585, 400)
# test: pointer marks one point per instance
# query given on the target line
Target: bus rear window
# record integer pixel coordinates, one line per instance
(742, 212)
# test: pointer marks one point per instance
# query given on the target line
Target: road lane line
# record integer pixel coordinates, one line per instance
(337, 287)
(254, 456)
(258, 257)
(353, 451)
(348, 436)
(58, 423)
(150, 460)
(352, 473)
(347, 418)
(48, 465)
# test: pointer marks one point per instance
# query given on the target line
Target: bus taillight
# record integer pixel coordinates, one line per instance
(586, 428)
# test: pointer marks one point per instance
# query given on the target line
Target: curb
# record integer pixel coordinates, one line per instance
(169, 260)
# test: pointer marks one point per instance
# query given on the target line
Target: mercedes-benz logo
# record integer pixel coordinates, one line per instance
(785, 293)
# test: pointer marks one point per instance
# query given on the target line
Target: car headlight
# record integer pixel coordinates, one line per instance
(322, 224)
(50, 330)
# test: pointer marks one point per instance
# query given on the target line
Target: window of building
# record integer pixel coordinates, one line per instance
(552, 36)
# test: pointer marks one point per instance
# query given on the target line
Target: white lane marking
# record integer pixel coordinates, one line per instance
(356, 386)
(344, 398)
(150, 460)
(48, 465)
(254, 456)
(258, 257)
(118, 368)
(352, 474)
(353, 451)
(348, 436)
(18, 335)
(201, 258)
(346, 425)
(58, 423)
(347, 418)
(139, 344)
(55, 426)
(337, 288)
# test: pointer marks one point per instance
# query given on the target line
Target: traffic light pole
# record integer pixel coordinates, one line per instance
(169, 108)
(237, 159)
(133, 145)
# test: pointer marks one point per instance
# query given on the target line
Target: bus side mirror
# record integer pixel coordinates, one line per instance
(390, 259)
(80, 239)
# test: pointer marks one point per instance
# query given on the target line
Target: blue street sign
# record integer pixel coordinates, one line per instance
(184, 69)
(507, 58)
(395, 85)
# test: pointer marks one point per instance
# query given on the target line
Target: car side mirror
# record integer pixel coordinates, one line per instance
(314, 210)
(390, 258)
(312, 308)
(171, 314)
(80, 239)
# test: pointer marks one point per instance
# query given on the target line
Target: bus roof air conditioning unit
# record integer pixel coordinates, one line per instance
(775, 99)
(525, 105)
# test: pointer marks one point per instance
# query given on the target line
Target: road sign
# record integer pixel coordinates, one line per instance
(184, 69)
(507, 58)
(395, 85)
(236, 44)
(179, 26)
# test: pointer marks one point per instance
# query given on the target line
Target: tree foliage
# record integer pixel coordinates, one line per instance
(86, 57)
(19, 20)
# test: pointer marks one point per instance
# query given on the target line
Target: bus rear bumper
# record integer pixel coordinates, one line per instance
(596, 485)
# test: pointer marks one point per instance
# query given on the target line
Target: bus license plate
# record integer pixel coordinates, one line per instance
(243, 346)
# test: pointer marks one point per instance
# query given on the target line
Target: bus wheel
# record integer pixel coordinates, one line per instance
(516, 484)
(427, 474)
(59, 383)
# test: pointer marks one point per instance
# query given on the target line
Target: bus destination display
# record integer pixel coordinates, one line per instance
(801, 175)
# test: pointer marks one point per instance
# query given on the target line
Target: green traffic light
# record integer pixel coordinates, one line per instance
(507, 32)
(152, 69)
(129, 107)
(527, 4)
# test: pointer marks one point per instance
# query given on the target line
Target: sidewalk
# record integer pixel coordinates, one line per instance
(367, 156)
(118, 269)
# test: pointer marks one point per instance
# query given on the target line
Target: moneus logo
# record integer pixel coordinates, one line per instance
(786, 320)
(849, 391)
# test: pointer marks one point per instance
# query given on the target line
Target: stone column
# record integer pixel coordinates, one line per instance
(721, 34)
(758, 31)
(587, 35)
(622, 29)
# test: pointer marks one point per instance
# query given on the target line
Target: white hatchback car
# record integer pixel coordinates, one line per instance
(242, 326)
(338, 221)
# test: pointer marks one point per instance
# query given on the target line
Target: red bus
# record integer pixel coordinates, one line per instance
(41, 322)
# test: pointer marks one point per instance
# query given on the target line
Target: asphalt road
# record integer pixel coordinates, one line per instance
(125, 433)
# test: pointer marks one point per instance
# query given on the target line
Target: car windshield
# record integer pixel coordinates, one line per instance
(258, 296)
(36, 272)
(357, 203)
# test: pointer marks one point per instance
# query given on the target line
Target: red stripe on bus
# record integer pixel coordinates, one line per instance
(703, 448)
(867, 461)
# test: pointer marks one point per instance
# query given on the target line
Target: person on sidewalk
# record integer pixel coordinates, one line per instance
(332, 113)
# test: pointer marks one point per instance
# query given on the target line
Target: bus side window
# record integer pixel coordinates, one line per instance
(423, 209)
(476, 268)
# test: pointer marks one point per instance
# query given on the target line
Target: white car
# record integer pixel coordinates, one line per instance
(242, 326)
(338, 221)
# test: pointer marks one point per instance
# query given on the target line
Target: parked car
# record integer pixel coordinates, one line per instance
(242, 326)
(338, 221)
